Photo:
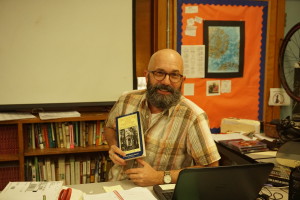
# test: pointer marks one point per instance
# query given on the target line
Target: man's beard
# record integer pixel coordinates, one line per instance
(160, 100)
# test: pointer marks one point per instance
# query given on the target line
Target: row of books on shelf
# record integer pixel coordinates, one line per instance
(9, 139)
(245, 146)
(8, 173)
(65, 134)
(69, 169)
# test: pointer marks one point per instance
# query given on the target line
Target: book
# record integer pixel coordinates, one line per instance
(245, 146)
(130, 136)
(72, 169)
(77, 170)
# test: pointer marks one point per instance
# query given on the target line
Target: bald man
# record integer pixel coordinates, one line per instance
(176, 131)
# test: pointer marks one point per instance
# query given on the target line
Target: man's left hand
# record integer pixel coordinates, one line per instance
(146, 175)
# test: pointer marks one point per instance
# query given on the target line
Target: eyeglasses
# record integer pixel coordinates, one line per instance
(161, 75)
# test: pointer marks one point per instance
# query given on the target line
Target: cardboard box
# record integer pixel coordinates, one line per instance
(270, 130)
(240, 125)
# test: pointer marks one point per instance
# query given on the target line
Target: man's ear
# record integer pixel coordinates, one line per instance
(146, 75)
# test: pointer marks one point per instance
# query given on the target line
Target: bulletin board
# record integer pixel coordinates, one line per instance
(239, 96)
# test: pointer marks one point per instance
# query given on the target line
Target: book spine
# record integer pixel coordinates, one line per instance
(68, 172)
(77, 171)
(90, 134)
(76, 124)
(71, 130)
(72, 170)
(52, 166)
(41, 140)
(48, 169)
(33, 140)
(61, 168)
(45, 135)
(88, 170)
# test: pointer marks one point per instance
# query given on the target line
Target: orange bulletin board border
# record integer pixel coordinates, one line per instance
(246, 98)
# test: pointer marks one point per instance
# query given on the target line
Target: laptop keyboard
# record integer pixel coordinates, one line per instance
(168, 195)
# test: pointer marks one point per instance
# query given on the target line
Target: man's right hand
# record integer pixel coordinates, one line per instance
(114, 153)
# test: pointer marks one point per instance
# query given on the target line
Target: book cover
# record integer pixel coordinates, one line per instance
(130, 136)
(249, 144)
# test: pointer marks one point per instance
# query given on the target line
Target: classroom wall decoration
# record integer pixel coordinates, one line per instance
(232, 84)
(224, 52)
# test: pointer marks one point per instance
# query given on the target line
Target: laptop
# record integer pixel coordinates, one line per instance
(237, 182)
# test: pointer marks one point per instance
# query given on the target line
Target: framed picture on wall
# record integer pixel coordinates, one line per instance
(224, 48)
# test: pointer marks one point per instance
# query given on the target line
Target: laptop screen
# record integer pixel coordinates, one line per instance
(240, 182)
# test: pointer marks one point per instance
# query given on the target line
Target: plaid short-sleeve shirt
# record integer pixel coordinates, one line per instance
(174, 139)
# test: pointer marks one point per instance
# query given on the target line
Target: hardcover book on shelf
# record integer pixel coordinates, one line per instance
(130, 135)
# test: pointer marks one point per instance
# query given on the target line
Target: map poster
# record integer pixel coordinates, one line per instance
(224, 52)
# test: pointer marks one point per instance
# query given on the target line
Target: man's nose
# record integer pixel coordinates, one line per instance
(166, 80)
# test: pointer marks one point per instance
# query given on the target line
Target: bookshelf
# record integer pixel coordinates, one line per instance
(16, 150)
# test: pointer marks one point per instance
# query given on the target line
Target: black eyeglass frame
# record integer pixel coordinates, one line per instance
(165, 74)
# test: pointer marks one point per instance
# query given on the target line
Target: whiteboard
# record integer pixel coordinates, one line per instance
(65, 51)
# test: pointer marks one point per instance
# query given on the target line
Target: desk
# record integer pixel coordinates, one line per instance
(97, 188)
(232, 157)
(226, 153)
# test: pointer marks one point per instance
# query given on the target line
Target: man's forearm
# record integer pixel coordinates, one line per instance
(110, 136)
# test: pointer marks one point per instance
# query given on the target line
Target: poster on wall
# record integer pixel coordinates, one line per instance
(236, 57)
(224, 50)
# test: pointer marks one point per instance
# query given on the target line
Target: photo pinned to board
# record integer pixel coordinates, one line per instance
(213, 88)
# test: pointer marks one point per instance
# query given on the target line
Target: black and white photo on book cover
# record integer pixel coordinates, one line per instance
(130, 135)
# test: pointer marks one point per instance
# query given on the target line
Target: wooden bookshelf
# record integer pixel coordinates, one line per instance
(58, 151)
(23, 152)
(9, 157)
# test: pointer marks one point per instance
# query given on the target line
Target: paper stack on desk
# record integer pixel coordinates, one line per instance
(32, 190)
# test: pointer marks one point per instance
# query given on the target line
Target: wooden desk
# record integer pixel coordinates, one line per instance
(229, 157)
(97, 188)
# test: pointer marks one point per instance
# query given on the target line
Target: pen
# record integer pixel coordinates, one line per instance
(118, 195)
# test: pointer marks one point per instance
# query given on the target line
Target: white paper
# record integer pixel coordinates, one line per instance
(198, 20)
(15, 116)
(112, 188)
(32, 190)
(136, 193)
(226, 86)
(191, 9)
(194, 59)
(191, 30)
(188, 89)
(55, 115)
(190, 21)
(278, 97)
(142, 83)
(167, 186)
